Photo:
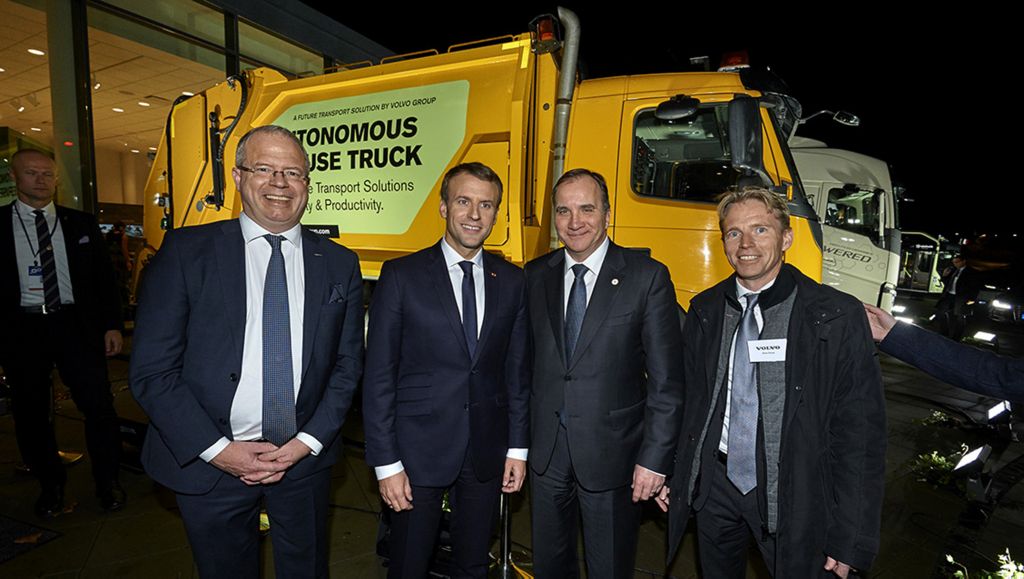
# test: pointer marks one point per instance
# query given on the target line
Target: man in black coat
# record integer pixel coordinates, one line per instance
(783, 434)
(60, 308)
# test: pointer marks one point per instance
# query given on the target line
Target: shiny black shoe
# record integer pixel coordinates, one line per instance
(112, 498)
(50, 502)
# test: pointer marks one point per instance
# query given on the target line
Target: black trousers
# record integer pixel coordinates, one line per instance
(725, 524)
(610, 523)
(37, 343)
(474, 505)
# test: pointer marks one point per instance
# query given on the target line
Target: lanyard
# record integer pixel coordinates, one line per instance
(35, 251)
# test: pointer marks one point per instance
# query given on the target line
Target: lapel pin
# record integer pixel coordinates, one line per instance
(494, 274)
(615, 281)
(318, 254)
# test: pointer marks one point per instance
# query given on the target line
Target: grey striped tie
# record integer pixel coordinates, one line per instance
(278, 388)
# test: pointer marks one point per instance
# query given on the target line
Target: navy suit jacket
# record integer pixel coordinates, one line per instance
(963, 366)
(187, 349)
(92, 274)
(425, 400)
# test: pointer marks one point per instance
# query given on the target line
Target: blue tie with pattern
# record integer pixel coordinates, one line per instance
(743, 406)
(575, 310)
(278, 388)
(51, 288)
(469, 306)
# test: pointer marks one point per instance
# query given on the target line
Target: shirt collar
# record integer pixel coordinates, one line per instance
(594, 261)
(24, 209)
(742, 291)
(452, 257)
(252, 230)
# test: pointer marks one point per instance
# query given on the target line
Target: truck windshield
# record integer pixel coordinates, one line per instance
(687, 159)
(854, 209)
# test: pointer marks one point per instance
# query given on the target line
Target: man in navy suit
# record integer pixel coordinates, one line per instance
(446, 390)
(248, 348)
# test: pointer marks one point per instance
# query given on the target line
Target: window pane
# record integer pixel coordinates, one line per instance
(281, 54)
(686, 159)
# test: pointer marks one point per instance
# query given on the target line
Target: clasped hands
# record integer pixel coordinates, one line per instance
(259, 462)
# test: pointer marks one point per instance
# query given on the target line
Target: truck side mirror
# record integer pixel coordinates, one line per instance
(677, 107)
(745, 139)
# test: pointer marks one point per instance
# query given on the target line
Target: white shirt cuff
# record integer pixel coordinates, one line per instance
(651, 471)
(314, 445)
(388, 470)
(215, 449)
(517, 453)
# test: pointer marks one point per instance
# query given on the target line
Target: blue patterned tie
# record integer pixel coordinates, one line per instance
(51, 288)
(743, 406)
(278, 389)
(575, 310)
(469, 306)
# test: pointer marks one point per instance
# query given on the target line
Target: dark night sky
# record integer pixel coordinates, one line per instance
(933, 92)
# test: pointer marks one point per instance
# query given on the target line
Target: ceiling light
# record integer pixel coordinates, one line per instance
(117, 110)
(36, 52)
(135, 150)
(36, 129)
(184, 92)
(2, 69)
(143, 104)
(152, 148)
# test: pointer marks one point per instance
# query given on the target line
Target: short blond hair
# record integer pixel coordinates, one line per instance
(773, 201)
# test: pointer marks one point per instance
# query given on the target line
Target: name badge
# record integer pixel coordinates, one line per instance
(767, 350)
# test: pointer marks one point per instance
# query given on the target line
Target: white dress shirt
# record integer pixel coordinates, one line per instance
(247, 405)
(593, 262)
(26, 248)
(452, 259)
(741, 294)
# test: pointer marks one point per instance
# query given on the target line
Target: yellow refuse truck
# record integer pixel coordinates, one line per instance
(381, 136)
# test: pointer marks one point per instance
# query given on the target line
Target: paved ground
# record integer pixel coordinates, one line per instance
(920, 523)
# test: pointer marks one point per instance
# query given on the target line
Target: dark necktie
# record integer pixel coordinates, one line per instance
(575, 310)
(278, 389)
(51, 289)
(469, 306)
(743, 405)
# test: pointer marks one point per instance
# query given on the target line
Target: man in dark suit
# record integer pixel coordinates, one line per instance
(61, 307)
(248, 348)
(607, 387)
(960, 285)
(446, 392)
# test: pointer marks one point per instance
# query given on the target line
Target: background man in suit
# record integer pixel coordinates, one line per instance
(61, 307)
(446, 393)
(783, 436)
(607, 386)
(960, 285)
(248, 348)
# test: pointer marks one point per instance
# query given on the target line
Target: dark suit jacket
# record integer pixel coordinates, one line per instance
(92, 274)
(425, 400)
(961, 365)
(623, 389)
(187, 350)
